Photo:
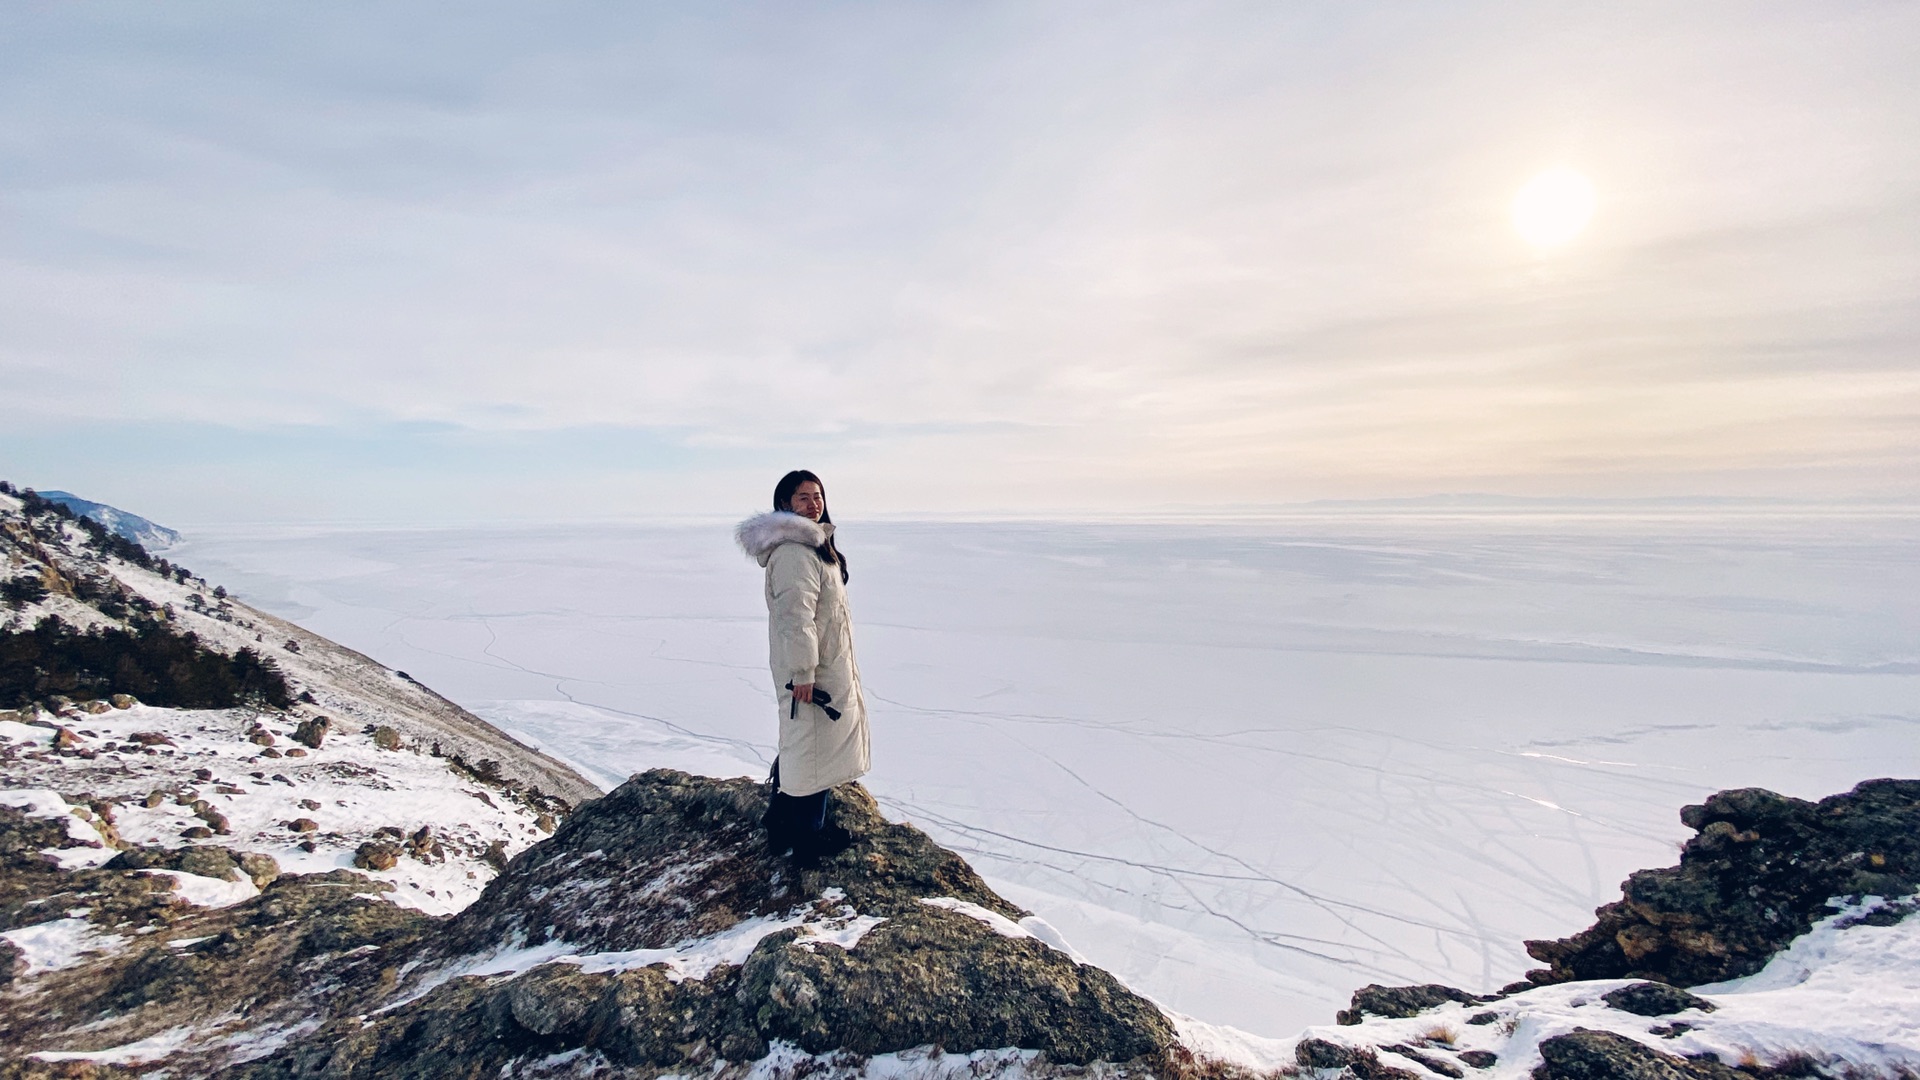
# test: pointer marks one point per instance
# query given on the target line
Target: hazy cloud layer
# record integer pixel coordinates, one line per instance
(985, 255)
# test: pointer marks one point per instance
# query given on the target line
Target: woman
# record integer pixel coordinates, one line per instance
(823, 718)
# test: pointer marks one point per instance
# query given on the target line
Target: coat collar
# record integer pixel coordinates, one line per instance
(760, 534)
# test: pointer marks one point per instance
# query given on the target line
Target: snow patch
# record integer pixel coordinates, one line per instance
(151, 1048)
(693, 959)
(1231, 1045)
(62, 943)
(784, 1060)
(205, 891)
(995, 921)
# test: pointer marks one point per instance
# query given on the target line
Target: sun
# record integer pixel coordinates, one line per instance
(1553, 207)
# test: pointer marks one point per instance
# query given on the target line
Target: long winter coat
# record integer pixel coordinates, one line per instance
(810, 640)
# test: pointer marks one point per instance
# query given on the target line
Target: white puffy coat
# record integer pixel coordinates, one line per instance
(810, 640)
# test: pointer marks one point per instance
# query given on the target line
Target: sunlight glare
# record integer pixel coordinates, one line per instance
(1553, 207)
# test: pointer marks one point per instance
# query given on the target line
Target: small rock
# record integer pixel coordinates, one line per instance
(123, 701)
(296, 752)
(216, 821)
(261, 737)
(386, 738)
(65, 739)
(1655, 999)
(1670, 1031)
(309, 804)
(1480, 1059)
(1362, 1064)
(154, 799)
(151, 738)
(96, 707)
(261, 868)
(303, 825)
(1582, 1054)
(196, 832)
(1399, 1002)
(544, 822)
(269, 752)
(203, 774)
(229, 789)
(312, 732)
(376, 856)
(308, 846)
(1430, 1062)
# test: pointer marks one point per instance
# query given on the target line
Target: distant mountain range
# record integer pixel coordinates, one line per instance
(132, 526)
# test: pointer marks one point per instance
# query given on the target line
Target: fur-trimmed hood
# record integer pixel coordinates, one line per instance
(761, 533)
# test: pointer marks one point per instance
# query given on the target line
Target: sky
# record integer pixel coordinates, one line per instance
(426, 263)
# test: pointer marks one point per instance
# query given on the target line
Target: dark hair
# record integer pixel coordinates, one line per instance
(783, 500)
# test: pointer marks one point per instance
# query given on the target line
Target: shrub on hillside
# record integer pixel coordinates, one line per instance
(21, 591)
(148, 660)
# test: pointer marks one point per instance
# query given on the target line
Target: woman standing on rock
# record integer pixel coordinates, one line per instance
(823, 718)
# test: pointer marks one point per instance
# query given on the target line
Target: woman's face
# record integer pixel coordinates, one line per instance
(808, 501)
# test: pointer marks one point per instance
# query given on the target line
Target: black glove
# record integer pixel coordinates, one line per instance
(820, 698)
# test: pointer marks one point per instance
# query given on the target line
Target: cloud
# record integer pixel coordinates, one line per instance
(1250, 251)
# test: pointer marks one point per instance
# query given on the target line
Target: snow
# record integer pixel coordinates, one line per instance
(40, 802)
(784, 1060)
(1247, 766)
(695, 958)
(15, 731)
(358, 787)
(207, 892)
(151, 1048)
(994, 921)
(1841, 992)
(61, 943)
(1232, 1045)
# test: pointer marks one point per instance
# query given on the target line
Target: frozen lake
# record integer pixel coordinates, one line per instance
(1247, 766)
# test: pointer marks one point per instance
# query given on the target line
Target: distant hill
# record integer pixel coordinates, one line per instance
(132, 526)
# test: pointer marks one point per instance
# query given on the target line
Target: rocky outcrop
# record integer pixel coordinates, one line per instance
(1654, 999)
(1399, 1002)
(653, 933)
(670, 861)
(1603, 1055)
(1758, 874)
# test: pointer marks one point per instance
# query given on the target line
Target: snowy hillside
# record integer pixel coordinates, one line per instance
(152, 536)
(366, 768)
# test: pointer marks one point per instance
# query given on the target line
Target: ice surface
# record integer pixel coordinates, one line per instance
(1246, 766)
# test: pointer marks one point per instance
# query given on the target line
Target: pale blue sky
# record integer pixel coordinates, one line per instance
(385, 262)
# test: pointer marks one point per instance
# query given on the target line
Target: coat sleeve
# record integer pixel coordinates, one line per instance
(796, 597)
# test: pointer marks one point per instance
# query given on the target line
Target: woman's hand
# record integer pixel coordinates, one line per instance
(803, 692)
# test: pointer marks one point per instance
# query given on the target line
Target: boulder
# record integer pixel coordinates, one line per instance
(312, 731)
(1400, 1002)
(1356, 1062)
(1655, 999)
(1758, 874)
(374, 855)
(669, 857)
(1602, 1055)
